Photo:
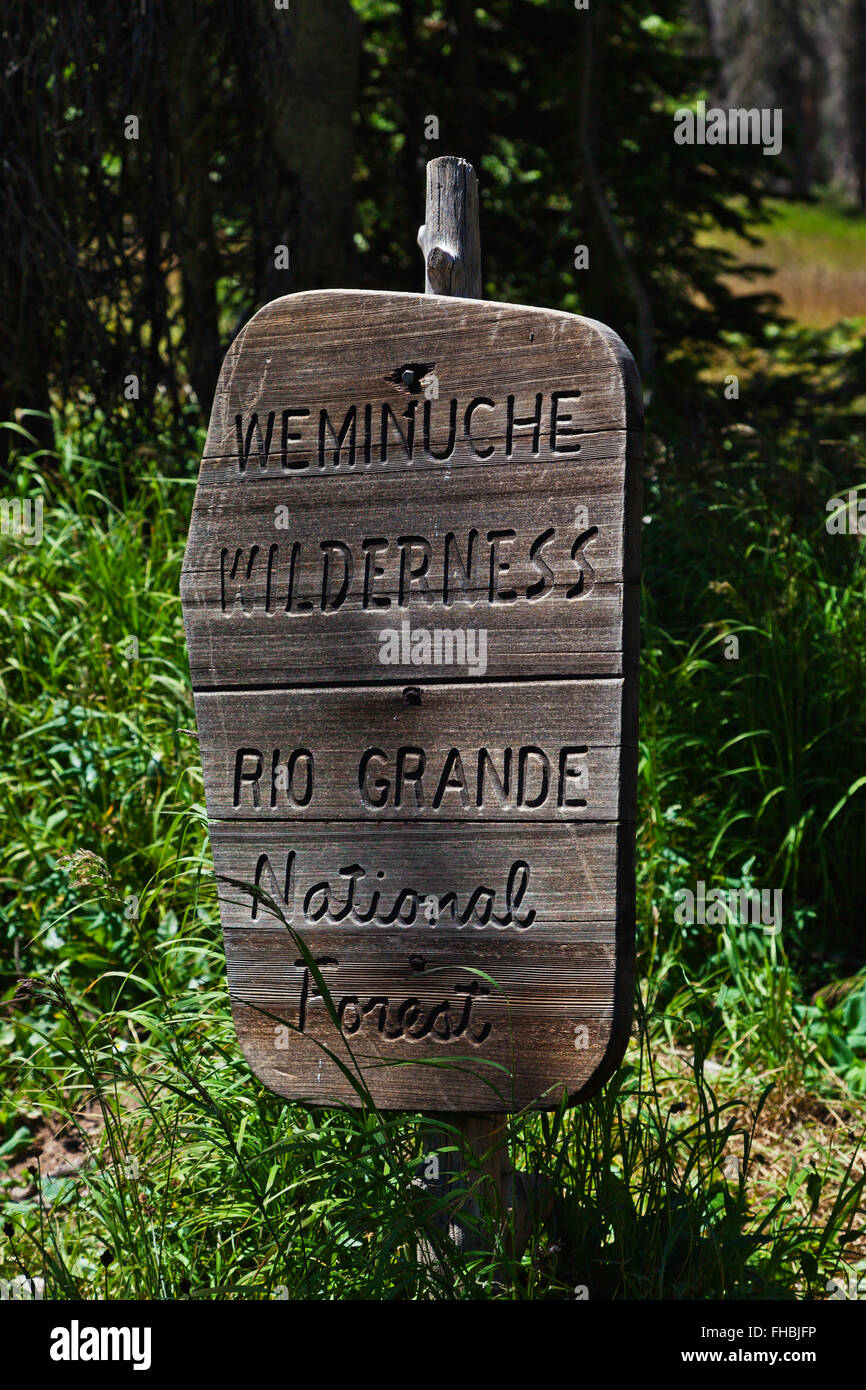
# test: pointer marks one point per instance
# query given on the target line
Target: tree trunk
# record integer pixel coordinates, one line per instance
(319, 45)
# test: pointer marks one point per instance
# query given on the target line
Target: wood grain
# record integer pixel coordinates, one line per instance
(528, 497)
(554, 995)
(549, 1024)
(249, 587)
(464, 476)
(574, 874)
(450, 238)
(247, 650)
(547, 751)
(326, 349)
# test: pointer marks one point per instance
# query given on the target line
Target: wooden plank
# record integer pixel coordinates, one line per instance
(533, 952)
(474, 880)
(243, 650)
(526, 527)
(555, 508)
(517, 1027)
(329, 350)
(552, 990)
(488, 431)
(415, 537)
(539, 751)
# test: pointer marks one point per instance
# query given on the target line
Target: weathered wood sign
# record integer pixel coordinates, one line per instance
(411, 611)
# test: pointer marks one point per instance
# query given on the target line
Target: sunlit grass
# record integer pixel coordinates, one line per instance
(816, 258)
(723, 1160)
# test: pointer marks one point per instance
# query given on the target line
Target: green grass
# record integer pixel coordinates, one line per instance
(819, 231)
(816, 256)
(723, 1160)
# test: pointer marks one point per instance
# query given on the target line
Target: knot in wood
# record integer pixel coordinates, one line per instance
(441, 270)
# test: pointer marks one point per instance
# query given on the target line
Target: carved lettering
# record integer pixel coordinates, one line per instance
(372, 433)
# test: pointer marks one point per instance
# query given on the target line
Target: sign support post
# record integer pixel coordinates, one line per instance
(410, 592)
(450, 241)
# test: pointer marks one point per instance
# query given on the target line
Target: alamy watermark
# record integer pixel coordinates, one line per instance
(22, 1289)
(847, 515)
(719, 907)
(21, 518)
(853, 1288)
(440, 646)
(736, 126)
(77, 1343)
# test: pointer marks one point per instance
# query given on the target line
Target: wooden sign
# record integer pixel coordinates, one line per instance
(410, 595)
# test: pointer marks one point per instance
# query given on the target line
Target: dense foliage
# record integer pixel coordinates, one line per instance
(724, 1159)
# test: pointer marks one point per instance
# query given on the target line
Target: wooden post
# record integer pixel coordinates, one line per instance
(451, 237)
(450, 240)
(270, 636)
